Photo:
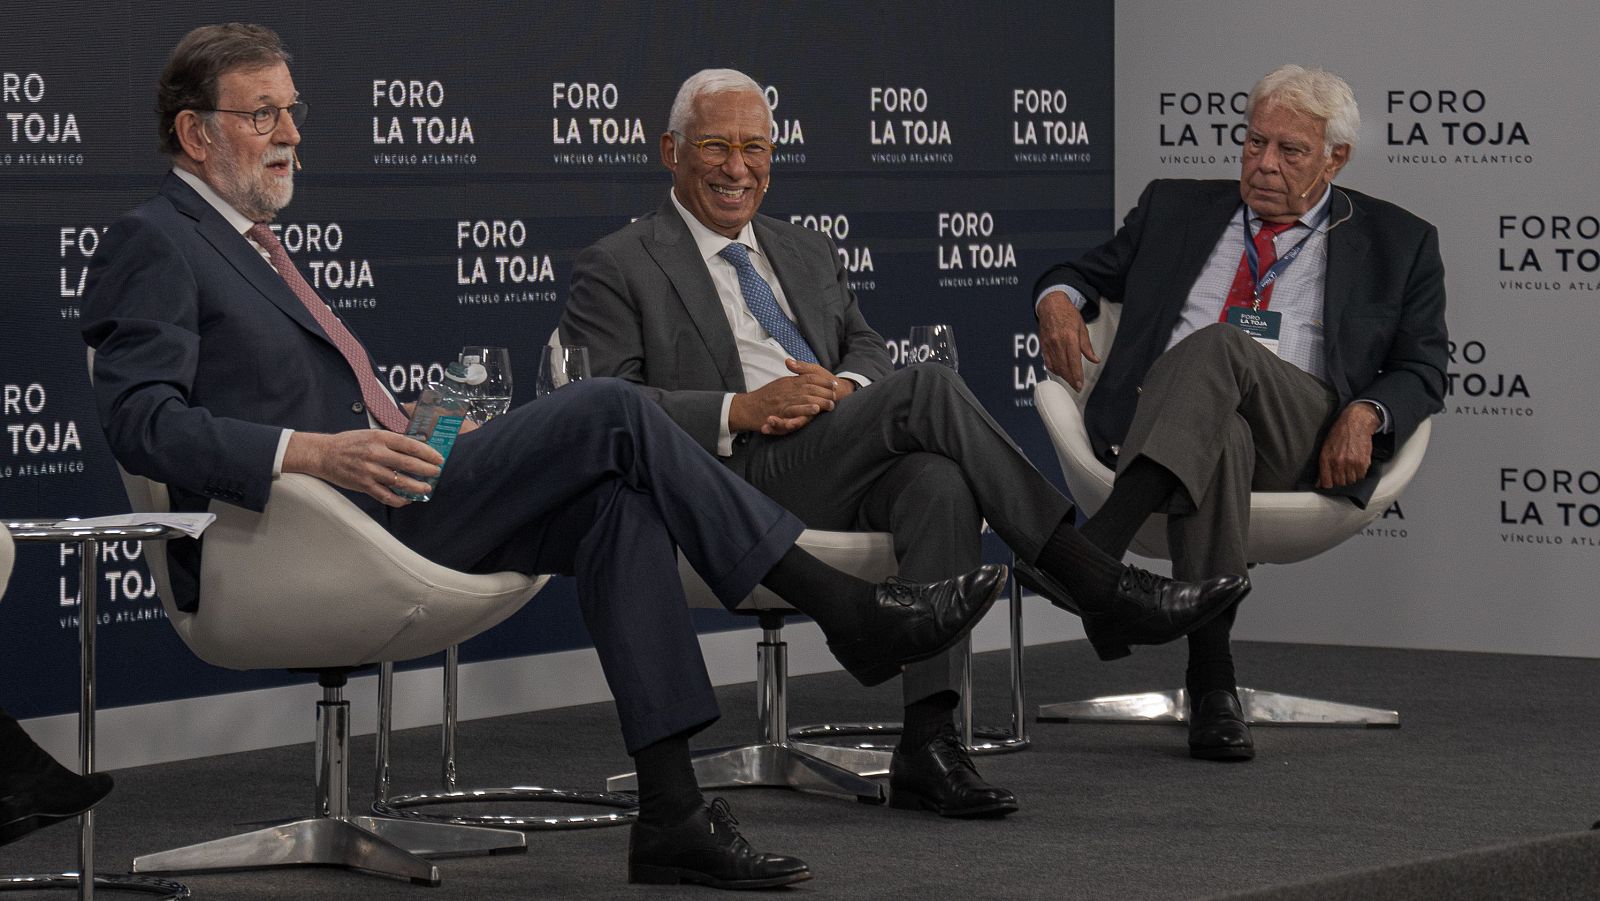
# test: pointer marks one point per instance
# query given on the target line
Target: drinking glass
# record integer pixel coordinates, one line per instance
(560, 364)
(493, 396)
(933, 344)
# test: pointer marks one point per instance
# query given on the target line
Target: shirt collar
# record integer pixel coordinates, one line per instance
(238, 220)
(709, 242)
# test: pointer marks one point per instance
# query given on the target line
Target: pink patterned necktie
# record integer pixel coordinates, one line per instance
(379, 404)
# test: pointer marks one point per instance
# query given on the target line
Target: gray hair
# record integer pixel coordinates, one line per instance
(710, 81)
(1317, 93)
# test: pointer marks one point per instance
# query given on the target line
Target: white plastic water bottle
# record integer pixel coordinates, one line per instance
(437, 418)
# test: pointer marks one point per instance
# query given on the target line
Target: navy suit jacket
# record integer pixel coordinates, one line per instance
(1384, 329)
(202, 357)
(642, 301)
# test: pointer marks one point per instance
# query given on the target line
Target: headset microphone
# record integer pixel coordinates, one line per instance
(294, 153)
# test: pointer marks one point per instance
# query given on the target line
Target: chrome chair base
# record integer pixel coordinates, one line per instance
(316, 841)
(169, 891)
(401, 808)
(833, 741)
(772, 765)
(1261, 708)
(773, 761)
(333, 837)
(391, 808)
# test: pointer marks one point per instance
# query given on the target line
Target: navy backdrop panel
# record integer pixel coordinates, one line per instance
(457, 157)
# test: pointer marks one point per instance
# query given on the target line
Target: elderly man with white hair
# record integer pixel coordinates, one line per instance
(1343, 296)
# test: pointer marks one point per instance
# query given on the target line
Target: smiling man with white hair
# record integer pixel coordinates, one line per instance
(744, 329)
(1343, 295)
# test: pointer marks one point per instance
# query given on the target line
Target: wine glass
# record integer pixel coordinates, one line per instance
(560, 364)
(933, 344)
(492, 397)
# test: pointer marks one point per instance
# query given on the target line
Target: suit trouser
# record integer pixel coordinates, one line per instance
(595, 481)
(917, 455)
(1227, 417)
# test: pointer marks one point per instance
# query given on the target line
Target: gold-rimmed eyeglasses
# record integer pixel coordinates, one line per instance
(266, 119)
(757, 152)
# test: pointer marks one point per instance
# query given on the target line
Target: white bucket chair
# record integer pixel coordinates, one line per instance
(313, 583)
(1285, 527)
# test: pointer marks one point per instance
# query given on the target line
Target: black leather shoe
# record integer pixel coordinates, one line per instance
(707, 849)
(1217, 730)
(1143, 609)
(33, 800)
(939, 776)
(912, 621)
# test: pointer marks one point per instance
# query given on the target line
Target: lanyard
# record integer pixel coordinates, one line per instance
(1260, 282)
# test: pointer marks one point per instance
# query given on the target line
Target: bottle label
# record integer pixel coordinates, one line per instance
(445, 430)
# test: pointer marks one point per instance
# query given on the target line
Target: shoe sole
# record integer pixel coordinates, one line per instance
(1103, 650)
(27, 825)
(902, 800)
(881, 673)
(1107, 650)
(641, 874)
(1223, 754)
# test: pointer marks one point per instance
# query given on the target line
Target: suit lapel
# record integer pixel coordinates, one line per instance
(238, 252)
(795, 277)
(674, 250)
(1200, 235)
(1347, 247)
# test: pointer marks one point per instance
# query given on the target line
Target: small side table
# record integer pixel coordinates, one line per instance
(88, 541)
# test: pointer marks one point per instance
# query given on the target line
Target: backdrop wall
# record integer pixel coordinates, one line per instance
(457, 157)
(1480, 118)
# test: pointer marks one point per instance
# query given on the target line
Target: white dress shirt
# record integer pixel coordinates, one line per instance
(761, 357)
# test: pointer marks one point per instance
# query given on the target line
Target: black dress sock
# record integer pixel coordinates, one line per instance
(1211, 658)
(668, 792)
(926, 718)
(1086, 571)
(835, 599)
(1142, 489)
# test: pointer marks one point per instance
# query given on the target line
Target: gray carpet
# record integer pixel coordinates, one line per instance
(1495, 750)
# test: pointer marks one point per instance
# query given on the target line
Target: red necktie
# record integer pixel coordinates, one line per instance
(379, 404)
(1243, 292)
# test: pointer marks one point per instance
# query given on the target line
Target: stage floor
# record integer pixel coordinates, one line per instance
(1493, 749)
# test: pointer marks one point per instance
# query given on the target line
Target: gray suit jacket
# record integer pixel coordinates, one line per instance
(643, 303)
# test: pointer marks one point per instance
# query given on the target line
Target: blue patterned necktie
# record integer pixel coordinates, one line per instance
(763, 304)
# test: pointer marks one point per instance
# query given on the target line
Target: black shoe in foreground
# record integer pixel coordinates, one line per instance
(912, 621)
(1217, 730)
(1143, 609)
(34, 801)
(707, 849)
(939, 776)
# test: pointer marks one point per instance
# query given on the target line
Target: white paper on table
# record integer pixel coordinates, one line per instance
(191, 524)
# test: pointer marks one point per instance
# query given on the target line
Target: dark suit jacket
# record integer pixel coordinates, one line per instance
(643, 303)
(1383, 311)
(202, 357)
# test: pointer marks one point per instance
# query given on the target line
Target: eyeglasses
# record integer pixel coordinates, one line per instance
(266, 118)
(714, 151)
